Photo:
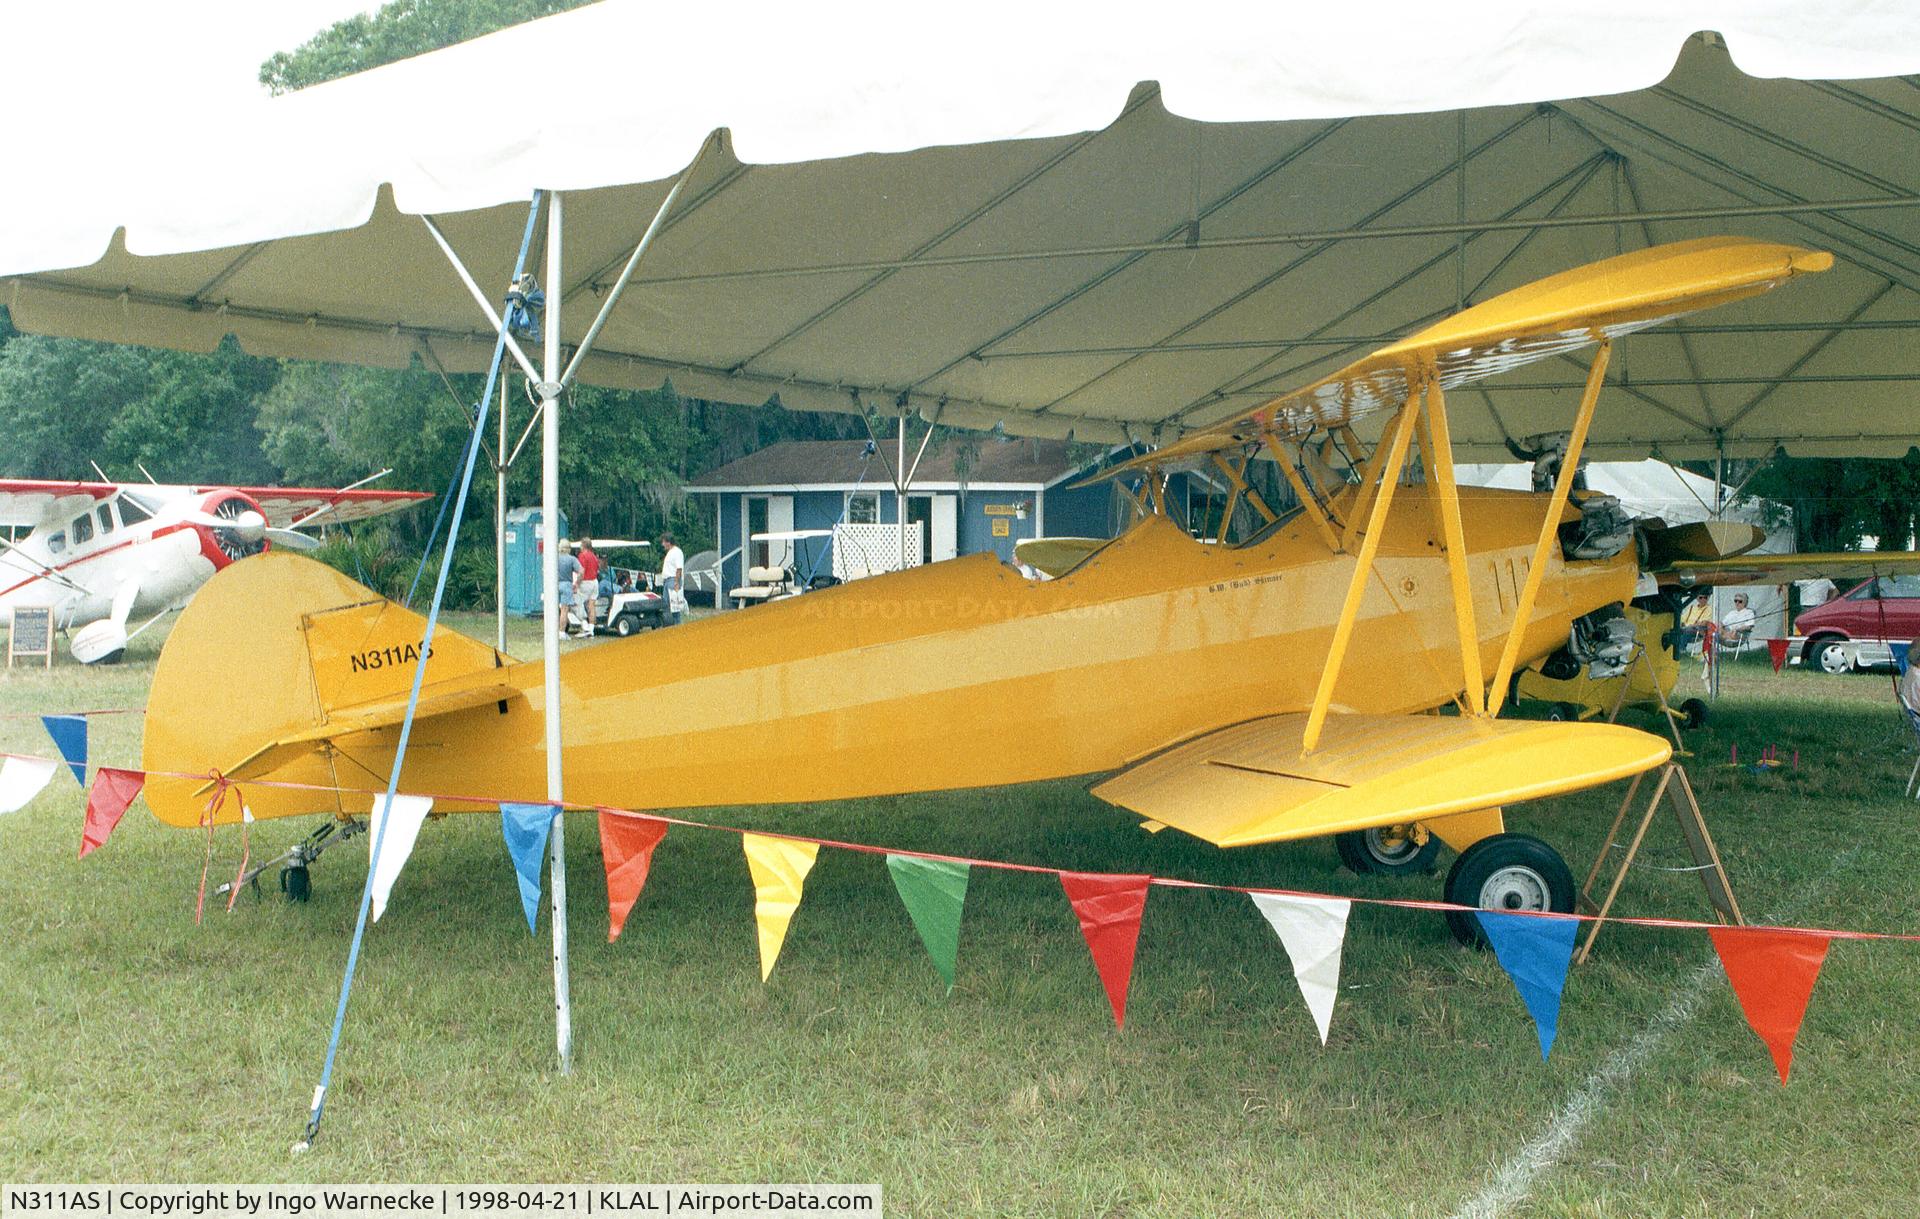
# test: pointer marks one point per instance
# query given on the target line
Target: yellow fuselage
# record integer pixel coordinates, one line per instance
(959, 674)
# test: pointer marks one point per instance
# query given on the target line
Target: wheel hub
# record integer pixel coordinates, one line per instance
(1394, 843)
(1514, 888)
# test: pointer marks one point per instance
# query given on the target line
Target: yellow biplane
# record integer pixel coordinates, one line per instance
(1262, 691)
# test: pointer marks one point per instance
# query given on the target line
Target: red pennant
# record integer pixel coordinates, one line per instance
(626, 847)
(1109, 908)
(1773, 973)
(107, 801)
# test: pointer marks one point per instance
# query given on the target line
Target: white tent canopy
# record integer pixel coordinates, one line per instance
(998, 223)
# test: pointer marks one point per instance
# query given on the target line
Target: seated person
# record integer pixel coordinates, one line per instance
(1695, 616)
(1737, 630)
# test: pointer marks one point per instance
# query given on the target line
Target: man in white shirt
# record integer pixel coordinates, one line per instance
(673, 575)
(1817, 591)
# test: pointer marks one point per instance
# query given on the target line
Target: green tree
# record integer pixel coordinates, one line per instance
(397, 31)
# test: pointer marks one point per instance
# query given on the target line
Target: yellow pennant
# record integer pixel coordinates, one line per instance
(779, 867)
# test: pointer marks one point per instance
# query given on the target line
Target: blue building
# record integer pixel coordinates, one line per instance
(1009, 490)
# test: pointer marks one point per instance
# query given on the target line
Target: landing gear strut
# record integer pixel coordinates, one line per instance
(1506, 872)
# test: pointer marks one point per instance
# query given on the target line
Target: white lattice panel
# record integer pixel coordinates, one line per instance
(868, 550)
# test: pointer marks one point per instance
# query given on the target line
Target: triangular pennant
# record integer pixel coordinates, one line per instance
(69, 733)
(1773, 973)
(934, 891)
(1313, 929)
(626, 848)
(21, 779)
(113, 790)
(525, 827)
(1535, 950)
(392, 842)
(779, 867)
(1109, 909)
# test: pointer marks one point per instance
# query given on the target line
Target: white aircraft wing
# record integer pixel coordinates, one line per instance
(289, 506)
(29, 501)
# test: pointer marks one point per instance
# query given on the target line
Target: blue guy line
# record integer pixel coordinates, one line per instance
(413, 700)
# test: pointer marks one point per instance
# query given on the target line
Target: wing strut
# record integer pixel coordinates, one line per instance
(1389, 459)
(1309, 501)
(1441, 474)
(1549, 527)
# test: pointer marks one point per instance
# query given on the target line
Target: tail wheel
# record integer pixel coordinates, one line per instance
(1507, 872)
(1695, 712)
(1391, 850)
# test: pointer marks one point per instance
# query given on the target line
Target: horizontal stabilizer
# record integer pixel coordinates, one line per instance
(1251, 783)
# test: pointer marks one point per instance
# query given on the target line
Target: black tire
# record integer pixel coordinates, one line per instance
(626, 624)
(1828, 653)
(1382, 852)
(1563, 713)
(1506, 872)
(1695, 712)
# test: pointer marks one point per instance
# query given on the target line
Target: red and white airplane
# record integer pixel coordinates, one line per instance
(98, 554)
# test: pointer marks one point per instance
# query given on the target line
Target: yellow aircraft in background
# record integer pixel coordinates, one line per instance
(1262, 691)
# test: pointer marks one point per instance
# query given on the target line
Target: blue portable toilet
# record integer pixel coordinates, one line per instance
(523, 560)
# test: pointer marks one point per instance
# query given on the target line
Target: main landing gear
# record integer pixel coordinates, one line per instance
(1503, 872)
(1390, 850)
(1506, 872)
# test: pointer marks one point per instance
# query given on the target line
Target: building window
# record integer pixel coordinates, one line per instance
(863, 508)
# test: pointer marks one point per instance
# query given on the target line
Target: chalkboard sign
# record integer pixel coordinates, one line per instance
(32, 634)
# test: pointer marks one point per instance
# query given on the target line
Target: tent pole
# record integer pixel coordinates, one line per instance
(900, 486)
(550, 644)
(500, 530)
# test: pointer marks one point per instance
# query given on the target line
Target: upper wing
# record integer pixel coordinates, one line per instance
(1250, 783)
(1560, 313)
(29, 501)
(289, 506)
(1779, 568)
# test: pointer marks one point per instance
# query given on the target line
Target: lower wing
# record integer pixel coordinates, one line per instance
(1251, 783)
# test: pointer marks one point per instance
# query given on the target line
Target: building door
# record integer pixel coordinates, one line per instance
(760, 514)
(946, 528)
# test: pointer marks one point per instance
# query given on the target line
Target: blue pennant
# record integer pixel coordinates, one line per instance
(69, 732)
(526, 827)
(1535, 952)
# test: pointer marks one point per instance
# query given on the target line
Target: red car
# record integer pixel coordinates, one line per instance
(1855, 629)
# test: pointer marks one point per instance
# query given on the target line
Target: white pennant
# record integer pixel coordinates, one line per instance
(1313, 929)
(397, 843)
(21, 780)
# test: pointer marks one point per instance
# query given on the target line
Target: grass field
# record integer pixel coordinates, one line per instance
(136, 1046)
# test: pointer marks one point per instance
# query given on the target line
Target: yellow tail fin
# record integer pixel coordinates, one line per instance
(273, 658)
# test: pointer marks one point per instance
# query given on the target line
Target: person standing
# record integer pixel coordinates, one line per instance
(589, 586)
(673, 575)
(566, 575)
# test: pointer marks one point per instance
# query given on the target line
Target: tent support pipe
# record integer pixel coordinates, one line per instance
(633, 263)
(500, 464)
(550, 644)
(1305, 237)
(479, 297)
(1381, 340)
(1574, 180)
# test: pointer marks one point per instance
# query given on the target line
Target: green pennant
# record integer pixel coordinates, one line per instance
(933, 891)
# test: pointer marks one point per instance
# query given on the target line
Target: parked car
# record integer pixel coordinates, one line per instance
(1857, 629)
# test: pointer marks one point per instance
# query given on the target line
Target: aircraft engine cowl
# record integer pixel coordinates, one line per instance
(231, 527)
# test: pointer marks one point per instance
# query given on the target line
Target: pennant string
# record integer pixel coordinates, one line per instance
(479, 803)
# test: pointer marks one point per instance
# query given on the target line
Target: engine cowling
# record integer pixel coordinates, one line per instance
(242, 533)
